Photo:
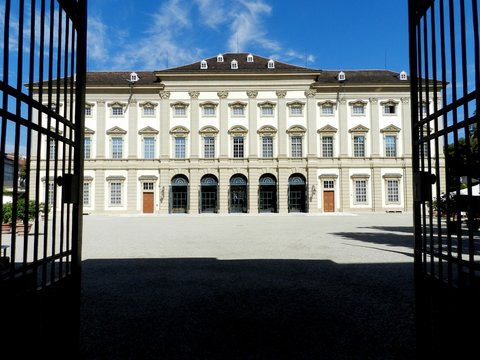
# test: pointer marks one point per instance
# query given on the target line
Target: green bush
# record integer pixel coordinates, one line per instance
(7, 213)
(24, 213)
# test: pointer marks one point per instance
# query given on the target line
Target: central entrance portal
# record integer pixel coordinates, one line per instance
(208, 194)
(179, 194)
(297, 193)
(267, 194)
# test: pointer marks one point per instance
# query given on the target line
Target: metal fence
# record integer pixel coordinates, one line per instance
(42, 90)
(445, 79)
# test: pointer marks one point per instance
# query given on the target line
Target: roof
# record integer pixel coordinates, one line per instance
(361, 77)
(258, 65)
(120, 78)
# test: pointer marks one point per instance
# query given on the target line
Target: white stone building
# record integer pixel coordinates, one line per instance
(242, 133)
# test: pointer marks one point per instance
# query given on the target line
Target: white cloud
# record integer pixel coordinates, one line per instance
(212, 12)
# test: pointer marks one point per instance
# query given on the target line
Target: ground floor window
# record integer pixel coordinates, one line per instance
(238, 194)
(393, 191)
(267, 194)
(116, 193)
(360, 191)
(179, 191)
(86, 193)
(208, 194)
(297, 189)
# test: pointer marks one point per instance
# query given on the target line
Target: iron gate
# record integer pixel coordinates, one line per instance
(42, 90)
(445, 66)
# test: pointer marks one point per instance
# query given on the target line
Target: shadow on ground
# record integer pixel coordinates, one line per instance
(203, 308)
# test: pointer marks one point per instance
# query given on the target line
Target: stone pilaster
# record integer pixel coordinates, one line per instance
(164, 124)
(101, 131)
(252, 124)
(311, 124)
(223, 188)
(376, 188)
(375, 129)
(194, 120)
(132, 128)
(313, 190)
(282, 124)
(132, 192)
(343, 135)
(282, 193)
(164, 192)
(101, 191)
(406, 132)
(253, 181)
(344, 185)
(223, 124)
(194, 179)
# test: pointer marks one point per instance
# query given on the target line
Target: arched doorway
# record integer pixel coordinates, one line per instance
(238, 194)
(267, 194)
(208, 194)
(297, 193)
(179, 189)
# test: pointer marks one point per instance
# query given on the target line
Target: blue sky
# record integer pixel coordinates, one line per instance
(152, 35)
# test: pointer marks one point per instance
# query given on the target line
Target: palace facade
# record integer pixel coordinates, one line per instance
(240, 133)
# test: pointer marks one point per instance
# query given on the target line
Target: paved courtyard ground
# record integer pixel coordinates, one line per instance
(297, 286)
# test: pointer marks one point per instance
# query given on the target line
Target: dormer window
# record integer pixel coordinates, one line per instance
(234, 65)
(403, 75)
(250, 58)
(203, 65)
(219, 58)
(271, 64)
(341, 76)
(134, 77)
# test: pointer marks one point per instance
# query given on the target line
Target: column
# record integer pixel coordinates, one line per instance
(164, 125)
(311, 124)
(194, 121)
(343, 134)
(375, 128)
(223, 124)
(100, 131)
(282, 124)
(132, 128)
(252, 124)
(100, 190)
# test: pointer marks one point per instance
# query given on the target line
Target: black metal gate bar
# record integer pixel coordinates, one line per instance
(445, 66)
(44, 45)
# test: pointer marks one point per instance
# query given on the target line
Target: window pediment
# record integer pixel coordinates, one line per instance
(295, 103)
(392, 176)
(148, 104)
(327, 103)
(208, 130)
(116, 178)
(389, 102)
(296, 130)
(208, 103)
(327, 129)
(148, 178)
(179, 104)
(267, 130)
(358, 103)
(89, 104)
(266, 103)
(390, 129)
(359, 129)
(360, 176)
(238, 130)
(117, 104)
(88, 131)
(179, 131)
(116, 130)
(148, 130)
(237, 104)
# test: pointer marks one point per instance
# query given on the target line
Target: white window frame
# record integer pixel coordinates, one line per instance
(238, 146)
(209, 110)
(117, 111)
(392, 198)
(177, 148)
(209, 148)
(355, 145)
(326, 106)
(238, 109)
(88, 110)
(296, 146)
(296, 109)
(153, 144)
(395, 149)
(360, 194)
(114, 151)
(180, 110)
(87, 190)
(267, 146)
(330, 145)
(115, 193)
(234, 65)
(87, 149)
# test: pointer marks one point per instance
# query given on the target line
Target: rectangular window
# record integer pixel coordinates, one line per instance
(389, 109)
(238, 111)
(392, 191)
(296, 146)
(117, 147)
(180, 110)
(328, 184)
(148, 186)
(149, 147)
(267, 110)
(148, 111)
(296, 110)
(86, 193)
(360, 191)
(238, 145)
(87, 148)
(267, 146)
(209, 147)
(115, 193)
(51, 149)
(359, 146)
(327, 146)
(327, 109)
(88, 111)
(117, 111)
(209, 110)
(358, 109)
(180, 147)
(390, 146)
